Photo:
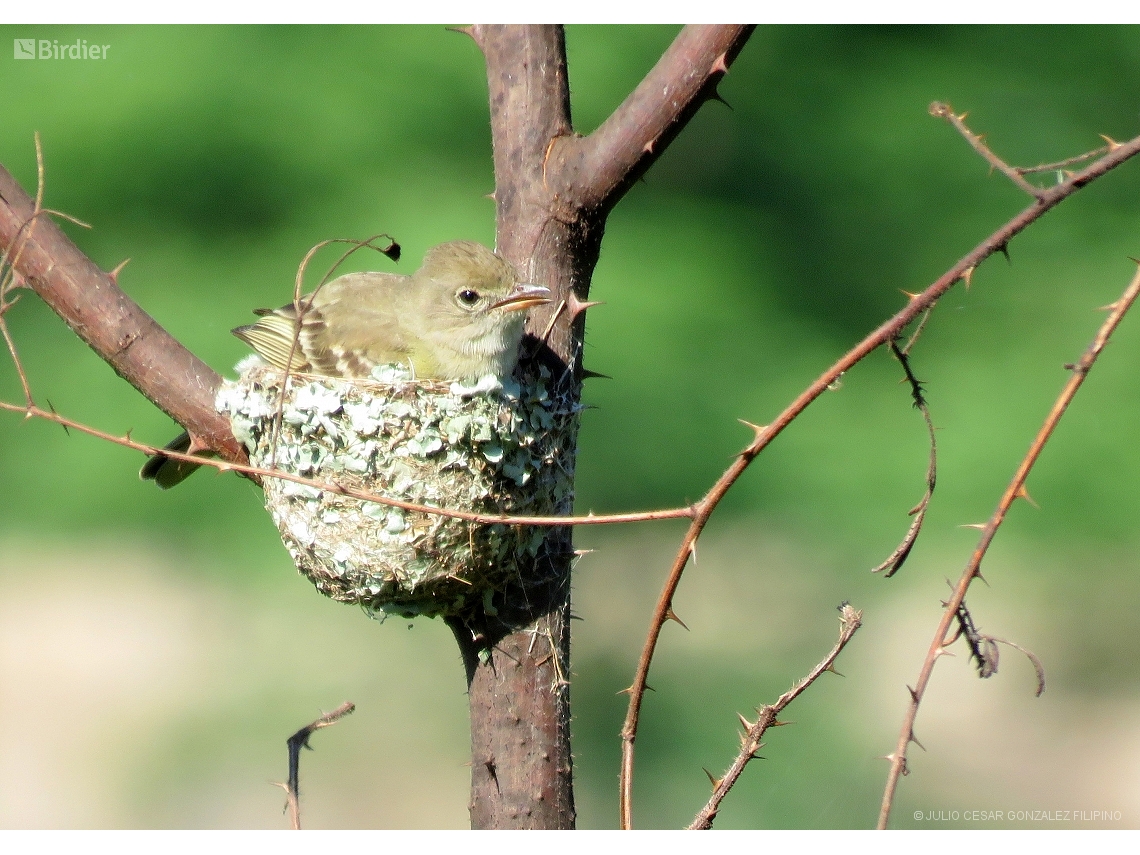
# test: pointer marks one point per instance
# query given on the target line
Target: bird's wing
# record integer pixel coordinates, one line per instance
(272, 338)
(348, 327)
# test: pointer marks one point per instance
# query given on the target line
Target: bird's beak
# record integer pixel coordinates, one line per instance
(523, 296)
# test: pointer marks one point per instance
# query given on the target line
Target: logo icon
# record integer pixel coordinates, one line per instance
(24, 48)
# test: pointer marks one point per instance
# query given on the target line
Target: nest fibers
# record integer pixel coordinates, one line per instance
(486, 449)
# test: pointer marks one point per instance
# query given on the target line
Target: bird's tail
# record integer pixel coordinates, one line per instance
(165, 471)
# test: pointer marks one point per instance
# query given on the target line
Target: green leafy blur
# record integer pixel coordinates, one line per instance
(773, 234)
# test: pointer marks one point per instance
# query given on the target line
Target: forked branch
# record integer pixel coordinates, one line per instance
(599, 168)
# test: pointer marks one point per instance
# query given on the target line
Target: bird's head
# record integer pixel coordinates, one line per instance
(474, 308)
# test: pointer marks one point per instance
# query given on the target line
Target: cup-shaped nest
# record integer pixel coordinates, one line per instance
(502, 451)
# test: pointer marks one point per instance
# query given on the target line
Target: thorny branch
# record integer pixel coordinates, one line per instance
(945, 111)
(296, 742)
(1015, 490)
(1044, 201)
(1061, 165)
(34, 411)
(612, 158)
(750, 741)
(984, 648)
(1014, 173)
(90, 301)
(897, 558)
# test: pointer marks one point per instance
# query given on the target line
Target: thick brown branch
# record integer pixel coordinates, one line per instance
(113, 325)
(595, 171)
(552, 194)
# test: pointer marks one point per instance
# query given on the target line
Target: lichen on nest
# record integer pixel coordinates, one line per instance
(485, 448)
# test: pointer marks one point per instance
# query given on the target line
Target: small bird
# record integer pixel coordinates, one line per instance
(459, 317)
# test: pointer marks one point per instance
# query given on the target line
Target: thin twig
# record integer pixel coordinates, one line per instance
(1016, 489)
(919, 327)
(301, 306)
(849, 622)
(332, 487)
(945, 111)
(4, 307)
(115, 327)
(296, 742)
(1068, 161)
(889, 330)
(897, 558)
(1038, 668)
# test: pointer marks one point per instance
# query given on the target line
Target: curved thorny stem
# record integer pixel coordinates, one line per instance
(764, 435)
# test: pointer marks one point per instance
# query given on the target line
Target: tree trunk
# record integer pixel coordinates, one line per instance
(553, 191)
(517, 671)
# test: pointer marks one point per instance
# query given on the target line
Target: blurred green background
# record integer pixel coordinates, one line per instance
(157, 648)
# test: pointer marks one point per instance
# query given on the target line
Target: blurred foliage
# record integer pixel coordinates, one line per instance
(769, 238)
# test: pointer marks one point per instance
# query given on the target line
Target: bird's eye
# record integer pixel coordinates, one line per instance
(467, 297)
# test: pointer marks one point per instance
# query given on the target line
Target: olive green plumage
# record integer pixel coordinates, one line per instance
(456, 318)
(459, 317)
